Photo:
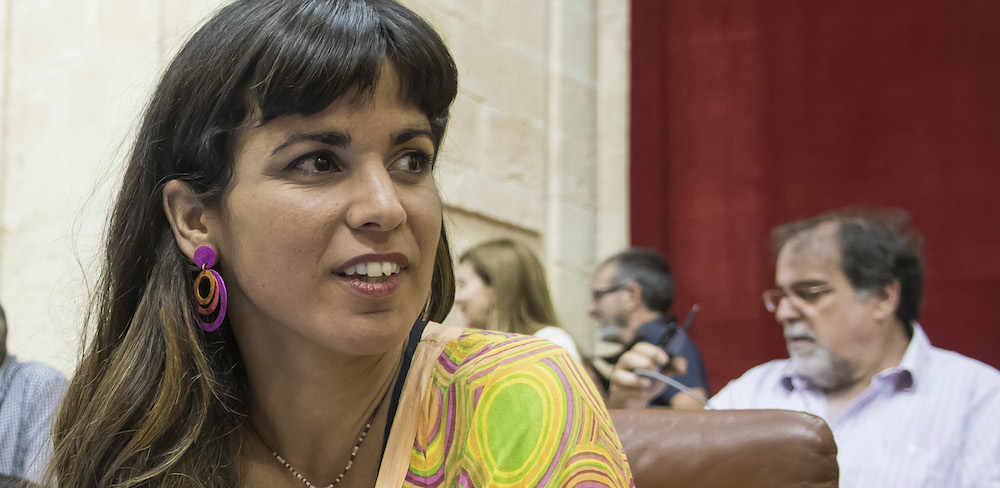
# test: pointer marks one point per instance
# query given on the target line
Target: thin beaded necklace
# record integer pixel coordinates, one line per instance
(350, 461)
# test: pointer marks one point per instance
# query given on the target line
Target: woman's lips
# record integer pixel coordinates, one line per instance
(373, 275)
(374, 287)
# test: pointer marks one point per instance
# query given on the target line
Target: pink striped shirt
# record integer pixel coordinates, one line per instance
(934, 421)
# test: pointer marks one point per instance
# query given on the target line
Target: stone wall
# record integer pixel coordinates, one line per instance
(536, 149)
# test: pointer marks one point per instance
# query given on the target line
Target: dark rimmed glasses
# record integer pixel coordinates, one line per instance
(805, 292)
(597, 295)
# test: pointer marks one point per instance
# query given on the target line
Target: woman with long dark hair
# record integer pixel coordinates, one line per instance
(275, 267)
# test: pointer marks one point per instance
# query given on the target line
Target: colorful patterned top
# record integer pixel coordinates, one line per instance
(508, 410)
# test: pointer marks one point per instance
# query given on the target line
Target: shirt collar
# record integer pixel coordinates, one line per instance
(904, 377)
(899, 378)
(792, 382)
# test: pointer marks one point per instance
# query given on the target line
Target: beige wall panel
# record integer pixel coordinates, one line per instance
(77, 73)
(74, 71)
(612, 124)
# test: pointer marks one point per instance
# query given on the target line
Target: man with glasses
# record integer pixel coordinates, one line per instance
(631, 295)
(904, 413)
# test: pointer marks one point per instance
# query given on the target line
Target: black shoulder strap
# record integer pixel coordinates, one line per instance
(416, 332)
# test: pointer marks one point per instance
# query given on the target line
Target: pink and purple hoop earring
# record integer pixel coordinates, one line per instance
(209, 291)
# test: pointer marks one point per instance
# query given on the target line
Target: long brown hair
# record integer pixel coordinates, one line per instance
(521, 303)
(155, 401)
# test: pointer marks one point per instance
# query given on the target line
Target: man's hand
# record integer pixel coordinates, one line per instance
(629, 390)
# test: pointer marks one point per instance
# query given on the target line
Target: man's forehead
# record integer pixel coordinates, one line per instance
(811, 255)
(604, 275)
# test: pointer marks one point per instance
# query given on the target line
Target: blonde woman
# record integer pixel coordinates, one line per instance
(501, 286)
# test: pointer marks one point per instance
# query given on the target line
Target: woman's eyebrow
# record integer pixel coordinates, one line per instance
(409, 134)
(330, 138)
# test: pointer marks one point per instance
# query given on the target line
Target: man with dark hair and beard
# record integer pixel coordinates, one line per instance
(848, 287)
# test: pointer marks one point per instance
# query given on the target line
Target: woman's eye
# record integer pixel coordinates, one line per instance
(317, 162)
(413, 162)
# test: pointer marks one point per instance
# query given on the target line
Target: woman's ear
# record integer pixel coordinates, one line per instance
(188, 216)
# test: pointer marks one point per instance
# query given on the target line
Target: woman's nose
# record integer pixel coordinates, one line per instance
(376, 205)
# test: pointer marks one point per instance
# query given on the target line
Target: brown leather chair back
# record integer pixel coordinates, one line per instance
(727, 448)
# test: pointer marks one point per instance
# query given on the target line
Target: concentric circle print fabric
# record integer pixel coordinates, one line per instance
(513, 411)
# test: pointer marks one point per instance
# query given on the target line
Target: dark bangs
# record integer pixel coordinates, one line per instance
(257, 60)
(320, 51)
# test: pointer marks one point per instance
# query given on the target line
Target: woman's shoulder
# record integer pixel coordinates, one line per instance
(478, 348)
(468, 352)
(520, 404)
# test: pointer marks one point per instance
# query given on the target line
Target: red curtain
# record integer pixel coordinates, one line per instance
(746, 114)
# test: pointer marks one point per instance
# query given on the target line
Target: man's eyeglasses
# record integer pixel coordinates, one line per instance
(597, 295)
(804, 292)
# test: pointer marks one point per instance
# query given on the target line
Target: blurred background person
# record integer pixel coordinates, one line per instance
(29, 395)
(848, 290)
(501, 286)
(631, 296)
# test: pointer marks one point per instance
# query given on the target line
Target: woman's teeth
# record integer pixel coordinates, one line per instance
(373, 270)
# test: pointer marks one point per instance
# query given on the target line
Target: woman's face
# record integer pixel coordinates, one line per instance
(473, 296)
(330, 225)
